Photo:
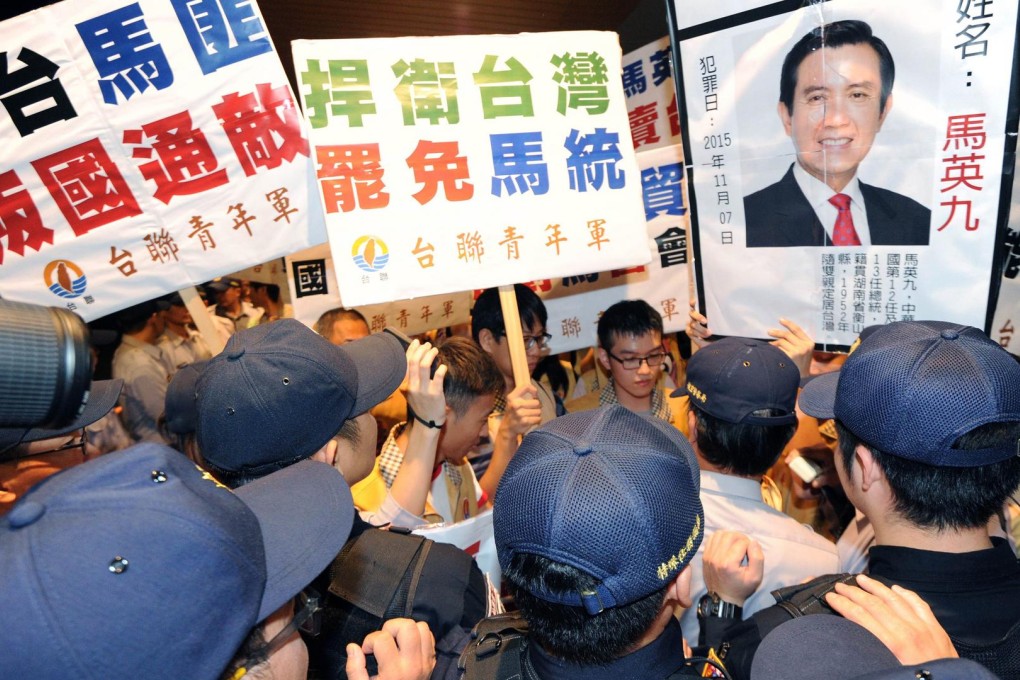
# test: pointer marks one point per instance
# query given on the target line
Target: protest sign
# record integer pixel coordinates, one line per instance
(575, 303)
(651, 96)
(314, 290)
(919, 156)
(453, 163)
(147, 147)
(472, 535)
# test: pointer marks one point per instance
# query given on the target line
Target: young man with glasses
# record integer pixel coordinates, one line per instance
(520, 408)
(631, 351)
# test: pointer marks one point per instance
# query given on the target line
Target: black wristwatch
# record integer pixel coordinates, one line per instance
(710, 606)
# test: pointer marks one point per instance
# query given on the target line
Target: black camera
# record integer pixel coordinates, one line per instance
(45, 365)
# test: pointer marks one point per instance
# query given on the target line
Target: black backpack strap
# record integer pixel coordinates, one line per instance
(370, 570)
(419, 567)
(809, 598)
(496, 649)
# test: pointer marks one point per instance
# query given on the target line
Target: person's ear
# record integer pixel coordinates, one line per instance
(603, 356)
(487, 340)
(885, 112)
(871, 471)
(679, 590)
(692, 426)
(786, 116)
(327, 454)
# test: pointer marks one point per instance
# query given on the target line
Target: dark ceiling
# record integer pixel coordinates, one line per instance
(291, 19)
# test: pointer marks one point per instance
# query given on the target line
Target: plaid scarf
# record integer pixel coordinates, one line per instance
(390, 458)
(660, 407)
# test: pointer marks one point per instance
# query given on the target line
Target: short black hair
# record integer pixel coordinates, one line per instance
(943, 498)
(628, 317)
(741, 448)
(488, 314)
(133, 319)
(836, 34)
(272, 290)
(569, 632)
(324, 324)
(471, 372)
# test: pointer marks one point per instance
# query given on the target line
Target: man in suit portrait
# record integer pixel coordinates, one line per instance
(835, 92)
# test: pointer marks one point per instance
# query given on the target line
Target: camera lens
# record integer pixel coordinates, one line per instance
(45, 366)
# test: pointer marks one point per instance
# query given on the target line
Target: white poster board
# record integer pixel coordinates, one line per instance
(146, 147)
(461, 162)
(929, 169)
(312, 282)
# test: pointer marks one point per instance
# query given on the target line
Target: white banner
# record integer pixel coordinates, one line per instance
(575, 303)
(147, 147)
(461, 162)
(313, 289)
(651, 96)
(919, 158)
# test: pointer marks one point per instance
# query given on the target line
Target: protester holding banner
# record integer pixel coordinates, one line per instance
(519, 408)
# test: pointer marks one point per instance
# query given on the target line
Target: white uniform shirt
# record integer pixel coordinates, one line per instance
(793, 551)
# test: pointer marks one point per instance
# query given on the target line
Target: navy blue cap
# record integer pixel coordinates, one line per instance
(831, 647)
(102, 397)
(181, 405)
(820, 646)
(941, 669)
(912, 388)
(140, 564)
(279, 391)
(733, 377)
(608, 492)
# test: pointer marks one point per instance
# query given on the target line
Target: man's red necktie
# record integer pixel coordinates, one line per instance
(844, 234)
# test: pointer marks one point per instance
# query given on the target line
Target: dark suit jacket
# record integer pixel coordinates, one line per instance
(780, 216)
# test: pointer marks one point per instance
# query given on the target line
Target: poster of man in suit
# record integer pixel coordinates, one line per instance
(845, 160)
(835, 91)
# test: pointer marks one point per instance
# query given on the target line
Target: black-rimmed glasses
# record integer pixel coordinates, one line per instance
(653, 360)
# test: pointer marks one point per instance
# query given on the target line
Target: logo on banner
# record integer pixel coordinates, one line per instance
(370, 254)
(65, 279)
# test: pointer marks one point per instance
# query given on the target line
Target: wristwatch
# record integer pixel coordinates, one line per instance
(711, 606)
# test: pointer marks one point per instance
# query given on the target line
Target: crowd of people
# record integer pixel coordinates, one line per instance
(752, 510)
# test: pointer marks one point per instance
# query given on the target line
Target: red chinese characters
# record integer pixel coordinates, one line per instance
(87, 186)
(20, 221)
(184, 164)
(262, 127)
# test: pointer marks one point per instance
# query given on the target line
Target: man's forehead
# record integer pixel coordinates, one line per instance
(536, 328)
(635, 340)
(833, 61)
